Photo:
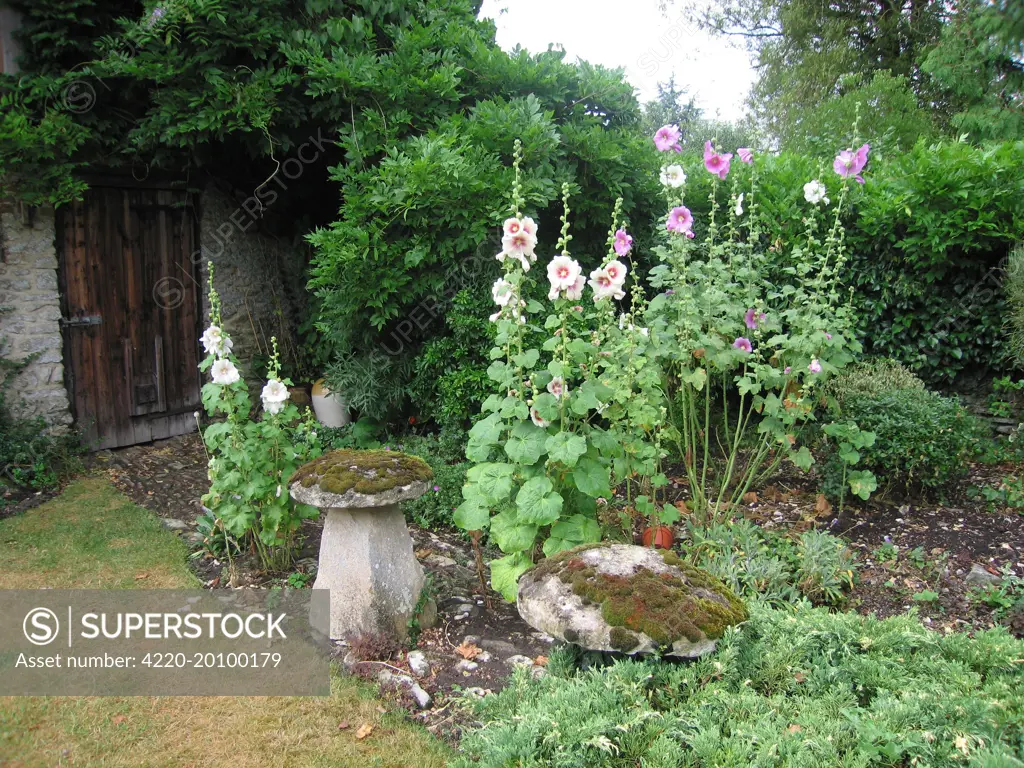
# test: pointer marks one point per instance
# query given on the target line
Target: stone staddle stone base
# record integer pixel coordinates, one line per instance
(367, 562)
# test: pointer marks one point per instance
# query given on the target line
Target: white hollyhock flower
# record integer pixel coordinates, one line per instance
(224, 372)
(576, 291)
(604, 287)
(673, 176)
(501, 291)
(557, 387)
(814, 192)
(215, 342)
(739, 204)
(536, 419)
(520, 244)
(529, 226)
(616, 271)
(274, 396)
(562, 272)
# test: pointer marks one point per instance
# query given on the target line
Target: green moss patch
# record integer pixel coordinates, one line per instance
(365, 472)
(664, 606)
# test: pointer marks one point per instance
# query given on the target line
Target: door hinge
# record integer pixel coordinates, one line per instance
(81, 320)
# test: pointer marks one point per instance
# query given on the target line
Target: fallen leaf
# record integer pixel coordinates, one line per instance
(422, 554)
(799, 677)
(468, 651)
(141, 576)
(821, 505)
(541, 661)
(343, 725)
(794, 728)
(363, 731)
(119, 719)
(750, 497)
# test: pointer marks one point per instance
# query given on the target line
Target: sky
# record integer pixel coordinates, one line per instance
(633, 34)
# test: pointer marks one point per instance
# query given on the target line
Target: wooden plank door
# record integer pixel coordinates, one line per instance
(131, 314)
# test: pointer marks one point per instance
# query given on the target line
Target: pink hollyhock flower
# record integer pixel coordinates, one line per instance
(604, 287)
(849, 163)
(743, 344)
(679, 219)
(575, 291)
(667, 138)
(753, 318)
(788, 370)
(828, 336)
(535, 417)
(557, 387)
(616, 271)
(716, 163)
(815, 366)
(623, 242)
(745, 154)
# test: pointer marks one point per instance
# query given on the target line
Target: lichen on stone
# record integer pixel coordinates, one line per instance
(365, 472)
(664, 606)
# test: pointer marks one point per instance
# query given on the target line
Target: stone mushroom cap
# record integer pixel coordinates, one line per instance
(360, 479)
(630, 599)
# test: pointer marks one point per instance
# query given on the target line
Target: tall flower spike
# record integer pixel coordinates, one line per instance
(517, 187)
(563, 241)
(616, 218)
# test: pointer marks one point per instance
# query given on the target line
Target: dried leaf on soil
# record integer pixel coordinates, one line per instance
(468, 651)
(363, 731)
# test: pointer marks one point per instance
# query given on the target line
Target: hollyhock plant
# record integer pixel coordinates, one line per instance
(716, 163)
(251, 461)
(673, 176)
(680, 219)
(667, 139)
(623, 242)
(745, 154)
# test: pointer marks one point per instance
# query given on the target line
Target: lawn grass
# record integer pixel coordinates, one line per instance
(93, 537)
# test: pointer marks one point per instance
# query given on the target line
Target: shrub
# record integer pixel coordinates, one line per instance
(801, 687)
(923, 440)
(870, 376)
(435, 508)
(32, 455)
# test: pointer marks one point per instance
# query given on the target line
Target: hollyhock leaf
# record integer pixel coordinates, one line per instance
(592, 478)
(546, 405)
(525, 445)
(508, 406)
(566, 448)
(802, 458)
(550, 344)
(527, 359)
(505, 573)
(491, 404)
(553, 321)
(472, 515)
(494, 481)
(537, 502)
(556, 369)
(697, 379)
(498, 371)
(862, 483)
(510, 533)
(605, 442)
(533, 306)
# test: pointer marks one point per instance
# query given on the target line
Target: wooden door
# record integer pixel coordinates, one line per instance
(131, 316)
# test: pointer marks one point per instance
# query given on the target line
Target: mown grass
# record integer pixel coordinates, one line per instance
(92, 537)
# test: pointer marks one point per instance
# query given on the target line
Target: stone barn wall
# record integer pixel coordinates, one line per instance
(253, 271)
(30, 311)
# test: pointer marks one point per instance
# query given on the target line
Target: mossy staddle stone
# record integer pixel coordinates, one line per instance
(360, 479)
(621, 597)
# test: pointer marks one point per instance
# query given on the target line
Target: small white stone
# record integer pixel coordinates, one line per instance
(483, 657)
(418, 663)
(519, 661)
(466, 666)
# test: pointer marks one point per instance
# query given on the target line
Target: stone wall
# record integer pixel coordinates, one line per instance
(30, 311)
(251, 274)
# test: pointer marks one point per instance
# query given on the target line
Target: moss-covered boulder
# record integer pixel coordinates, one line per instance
(360, 479)
(620, 597)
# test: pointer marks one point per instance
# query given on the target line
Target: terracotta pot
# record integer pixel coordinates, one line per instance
(662, 536)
